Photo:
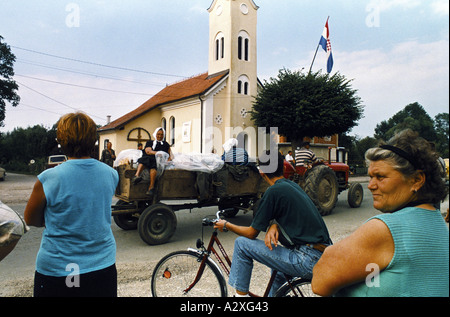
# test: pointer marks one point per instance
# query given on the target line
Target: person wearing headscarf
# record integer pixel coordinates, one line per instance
(148, 159)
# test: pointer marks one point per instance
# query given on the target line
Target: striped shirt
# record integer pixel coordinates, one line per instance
(303, 155)
(236, 156)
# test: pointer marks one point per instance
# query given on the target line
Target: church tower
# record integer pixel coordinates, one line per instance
(233, 48)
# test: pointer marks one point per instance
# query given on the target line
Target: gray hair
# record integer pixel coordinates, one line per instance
(397, 162)
(426, 158)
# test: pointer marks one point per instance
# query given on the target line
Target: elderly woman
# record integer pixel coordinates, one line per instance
(148, 159)
(72, 201)
(405, 250)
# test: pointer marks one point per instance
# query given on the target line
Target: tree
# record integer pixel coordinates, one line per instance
(19, 147)
(414, 117)
(307, 105)
(8, 87)
(441, 126)
(357, 147)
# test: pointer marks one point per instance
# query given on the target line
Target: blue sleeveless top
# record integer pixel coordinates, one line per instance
(420, 265)
(77, 218)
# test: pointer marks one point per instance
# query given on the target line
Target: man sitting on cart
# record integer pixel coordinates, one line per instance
(148, 159)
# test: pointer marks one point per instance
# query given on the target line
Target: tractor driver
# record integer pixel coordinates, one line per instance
(304, 154)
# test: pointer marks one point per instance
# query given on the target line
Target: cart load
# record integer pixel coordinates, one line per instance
(202, 179)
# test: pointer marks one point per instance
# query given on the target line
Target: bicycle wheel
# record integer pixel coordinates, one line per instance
(177, 271)
(298, 288)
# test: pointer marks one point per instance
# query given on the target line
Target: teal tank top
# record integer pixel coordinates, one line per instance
(420, 265)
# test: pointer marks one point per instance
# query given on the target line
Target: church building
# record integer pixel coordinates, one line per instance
(200, 113)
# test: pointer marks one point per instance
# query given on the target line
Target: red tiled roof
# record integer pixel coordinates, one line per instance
(181, 90)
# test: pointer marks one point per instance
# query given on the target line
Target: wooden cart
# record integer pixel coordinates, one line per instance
(156, 221)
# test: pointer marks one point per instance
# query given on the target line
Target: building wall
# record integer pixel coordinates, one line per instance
(188, 128)
(119, 137)
(320, 146)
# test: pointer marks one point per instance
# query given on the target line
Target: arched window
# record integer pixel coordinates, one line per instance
(243, 46)
(240, 47)
(243, 85)
(220, 46)
(164, 126)
(172, 130)
(247, 41)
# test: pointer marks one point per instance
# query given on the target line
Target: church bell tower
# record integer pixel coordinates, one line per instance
(233, 48)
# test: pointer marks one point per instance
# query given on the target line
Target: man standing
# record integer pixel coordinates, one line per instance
(284, 211)
(108, 155)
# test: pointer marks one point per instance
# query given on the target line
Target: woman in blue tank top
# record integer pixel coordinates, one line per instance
(73, 202)
(405, 250)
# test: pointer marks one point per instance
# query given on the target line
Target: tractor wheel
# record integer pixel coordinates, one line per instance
(322, 187)
(355, 195)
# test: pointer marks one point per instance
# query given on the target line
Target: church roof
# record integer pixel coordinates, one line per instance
(191, 87)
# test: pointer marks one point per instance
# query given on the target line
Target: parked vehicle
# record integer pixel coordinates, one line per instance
(2, 174)
(55, 160)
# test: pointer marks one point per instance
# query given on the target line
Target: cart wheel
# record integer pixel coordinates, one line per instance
(125, 221)
(157, 224)
(355, 195)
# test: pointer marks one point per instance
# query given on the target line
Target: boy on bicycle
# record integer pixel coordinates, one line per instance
(285, 211)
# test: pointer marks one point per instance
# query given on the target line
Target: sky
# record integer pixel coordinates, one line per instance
(109, 57)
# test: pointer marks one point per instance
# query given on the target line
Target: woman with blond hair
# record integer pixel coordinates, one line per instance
(73, 202)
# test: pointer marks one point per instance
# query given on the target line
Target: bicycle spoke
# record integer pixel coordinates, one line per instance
(298, 288)
(176, 273)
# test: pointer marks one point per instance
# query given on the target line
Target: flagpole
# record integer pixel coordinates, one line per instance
(314, 59)
(315, 54)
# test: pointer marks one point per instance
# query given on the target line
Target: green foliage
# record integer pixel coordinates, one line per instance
(414, 117)
(307, 105)
(441, 126)
(19, 147)
(8, 87)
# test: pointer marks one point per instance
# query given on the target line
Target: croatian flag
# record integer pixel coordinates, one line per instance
(326, 45)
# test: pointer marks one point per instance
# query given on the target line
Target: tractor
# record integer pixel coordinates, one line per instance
(323, 181)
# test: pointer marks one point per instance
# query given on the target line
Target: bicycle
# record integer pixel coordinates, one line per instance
(194, 273)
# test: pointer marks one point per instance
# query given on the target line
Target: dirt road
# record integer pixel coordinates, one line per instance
(135, 259)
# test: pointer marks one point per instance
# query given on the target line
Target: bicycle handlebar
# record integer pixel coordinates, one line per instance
(210, 222)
